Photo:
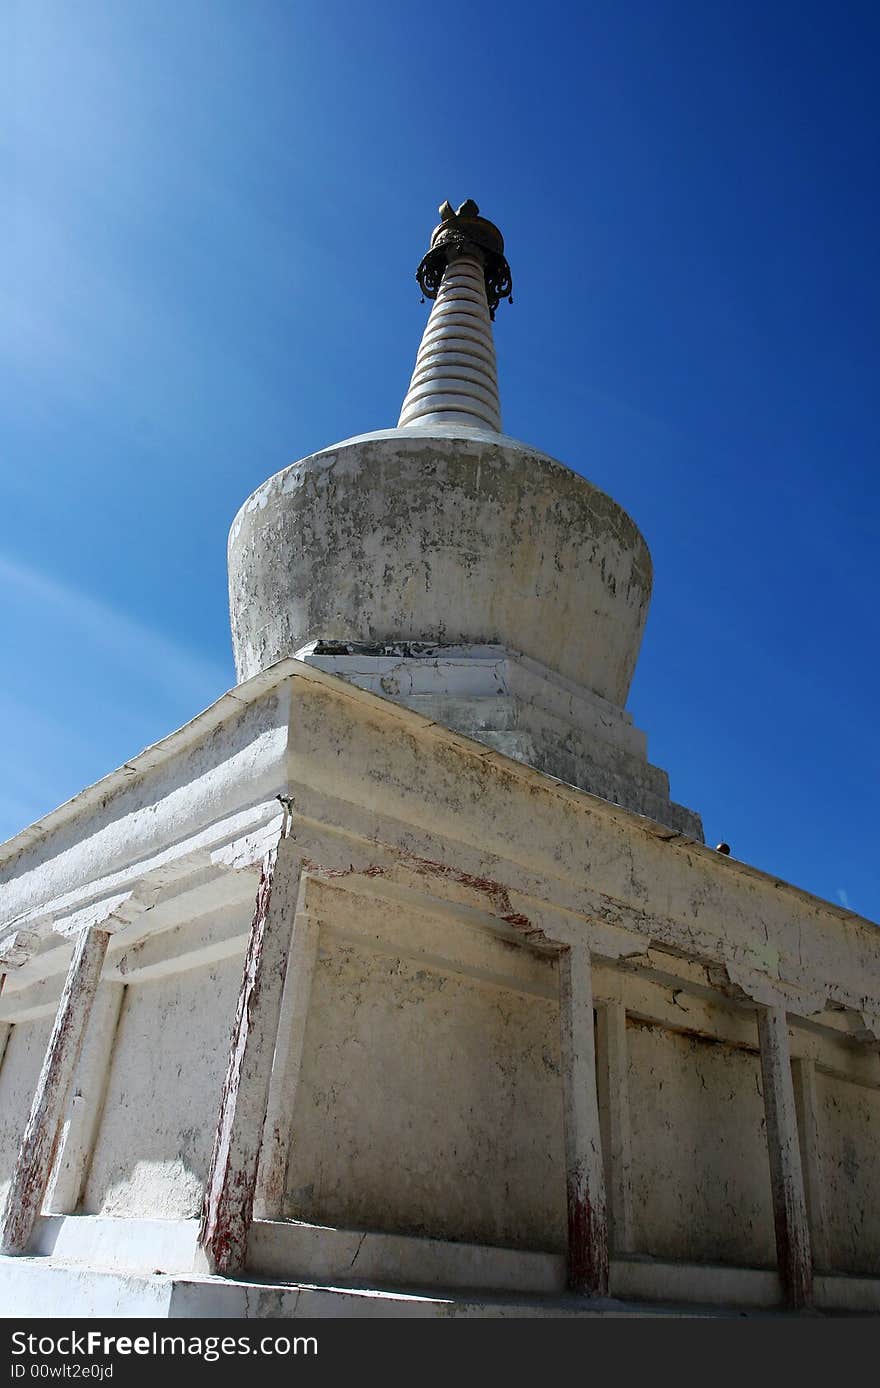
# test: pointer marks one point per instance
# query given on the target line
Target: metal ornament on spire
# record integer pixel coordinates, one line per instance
(455, 378)
(465, 232)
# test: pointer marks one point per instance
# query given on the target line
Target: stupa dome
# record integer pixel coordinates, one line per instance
(443, 531)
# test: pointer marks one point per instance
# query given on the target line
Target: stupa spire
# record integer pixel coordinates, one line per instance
(465, 272)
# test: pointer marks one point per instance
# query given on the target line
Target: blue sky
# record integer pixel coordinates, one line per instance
(216, 212)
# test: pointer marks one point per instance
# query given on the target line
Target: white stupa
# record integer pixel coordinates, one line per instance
(457, 570)
(394, 983)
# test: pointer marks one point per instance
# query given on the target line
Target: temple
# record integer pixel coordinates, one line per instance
(395, 983)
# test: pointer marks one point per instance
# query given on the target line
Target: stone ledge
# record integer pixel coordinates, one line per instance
(652, 1288)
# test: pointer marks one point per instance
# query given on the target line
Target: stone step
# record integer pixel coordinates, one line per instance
(495, 721)
(29, 1285)
(518, 746)
(315, 1253)
(563, 750)
(490, 719)
(469, 714)
(113, 1266)
(213, 1298)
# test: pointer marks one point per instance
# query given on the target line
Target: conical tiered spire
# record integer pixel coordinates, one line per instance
(455, 379)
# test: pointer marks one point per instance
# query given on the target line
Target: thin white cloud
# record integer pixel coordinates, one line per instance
(843, 897)
(151, 656)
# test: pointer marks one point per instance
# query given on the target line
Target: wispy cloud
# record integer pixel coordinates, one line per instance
(157, 660)
(843, 897)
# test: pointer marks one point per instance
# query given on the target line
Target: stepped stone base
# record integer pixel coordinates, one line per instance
(521, 708)
(101, 1267)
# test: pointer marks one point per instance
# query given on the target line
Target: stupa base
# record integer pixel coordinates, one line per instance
(521, 708)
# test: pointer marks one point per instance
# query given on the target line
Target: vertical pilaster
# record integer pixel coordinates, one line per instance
(783, 1145)
(227, 1211)
(278, 1126)
(4, 1026)
(585, 1180)
(806, 1103)
(33, 1168)
(83, 1115)
(613, 1082)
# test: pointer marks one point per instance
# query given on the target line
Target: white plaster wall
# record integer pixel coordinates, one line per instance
(694, 901)
(154, 1142)
(22, 1060)
(849, 1126)
(428, 1104)
(701, 1184)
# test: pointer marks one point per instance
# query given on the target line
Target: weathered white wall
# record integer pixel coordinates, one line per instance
(701, 1185)
(688, 898)
(18, 1080)
(154, 1142)
(436, 1091)
(849, 1130)
(428, 1104)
